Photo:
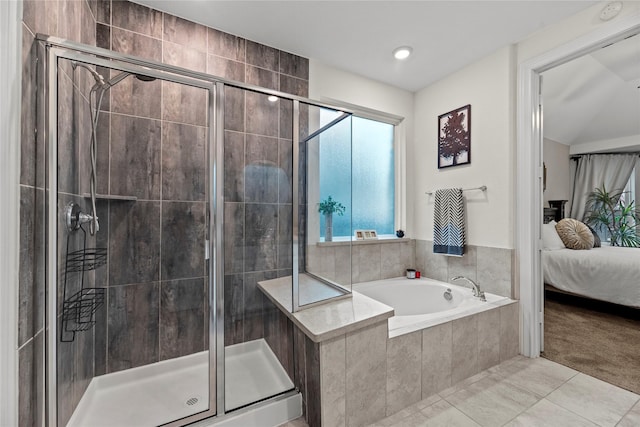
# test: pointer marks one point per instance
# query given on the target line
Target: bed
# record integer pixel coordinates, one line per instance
(609, 273)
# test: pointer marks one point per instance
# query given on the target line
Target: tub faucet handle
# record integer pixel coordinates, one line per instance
(474, 287)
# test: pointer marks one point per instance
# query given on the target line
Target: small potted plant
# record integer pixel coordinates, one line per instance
(328, 207)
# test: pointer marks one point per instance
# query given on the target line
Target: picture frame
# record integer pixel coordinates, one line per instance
(359, 235)
(454, 137)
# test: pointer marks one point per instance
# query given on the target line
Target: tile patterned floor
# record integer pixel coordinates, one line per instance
(522, 392)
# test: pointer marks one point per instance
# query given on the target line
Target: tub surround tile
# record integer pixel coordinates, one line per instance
(464, 266)
(436, 358)
(494, 270)
(366, 359)
(254, 301)
(509, 331)
(596, 400)
(333, 380)
(404, 386)
(368, 258)
(103, 36)
(436, 266)
(464, 356)
(548, 414)
(488, 339)
(69, 16)
(393, 264)
(103, 11)
(491, 268)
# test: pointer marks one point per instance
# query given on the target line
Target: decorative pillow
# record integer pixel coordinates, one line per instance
(575, 234)
(596, 239)
(550, 239)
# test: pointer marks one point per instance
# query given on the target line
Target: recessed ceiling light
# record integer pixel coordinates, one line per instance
(402, 52)
(272, 98)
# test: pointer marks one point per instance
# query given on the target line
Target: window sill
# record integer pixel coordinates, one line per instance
(344, 241)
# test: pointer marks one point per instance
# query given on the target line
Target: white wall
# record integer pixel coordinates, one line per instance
(569, 29)
(556, 159)
(488, 85)
(330, 84)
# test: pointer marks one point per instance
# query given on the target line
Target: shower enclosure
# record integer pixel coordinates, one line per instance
(170, 195)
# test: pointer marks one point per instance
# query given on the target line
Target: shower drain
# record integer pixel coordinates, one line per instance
(192, 401)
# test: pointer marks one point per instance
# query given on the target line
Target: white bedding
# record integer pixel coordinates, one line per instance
(608, 273)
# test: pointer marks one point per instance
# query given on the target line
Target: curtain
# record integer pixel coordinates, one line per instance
(592, 171)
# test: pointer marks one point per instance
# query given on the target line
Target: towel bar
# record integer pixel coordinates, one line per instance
(481, 188)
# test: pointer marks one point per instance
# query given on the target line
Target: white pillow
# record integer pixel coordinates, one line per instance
(551, 241)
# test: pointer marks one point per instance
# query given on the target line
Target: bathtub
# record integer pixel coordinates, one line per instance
(420, 303)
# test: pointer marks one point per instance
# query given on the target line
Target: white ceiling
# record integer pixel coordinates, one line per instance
(593, 102)
(359, 36)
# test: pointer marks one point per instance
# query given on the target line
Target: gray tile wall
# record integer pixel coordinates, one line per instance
(366, 376)
(167, 289)
(491, 268)
(74, 20)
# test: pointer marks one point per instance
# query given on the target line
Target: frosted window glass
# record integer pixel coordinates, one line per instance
(368, 192)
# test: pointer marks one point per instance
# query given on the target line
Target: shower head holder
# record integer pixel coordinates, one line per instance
(74, 217)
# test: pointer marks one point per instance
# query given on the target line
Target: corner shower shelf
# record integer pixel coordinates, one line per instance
(111, 197)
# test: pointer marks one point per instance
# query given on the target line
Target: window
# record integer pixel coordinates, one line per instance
(370, 199)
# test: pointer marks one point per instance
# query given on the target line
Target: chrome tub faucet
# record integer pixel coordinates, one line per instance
(475, 287)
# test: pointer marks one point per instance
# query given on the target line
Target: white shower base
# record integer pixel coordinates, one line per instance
(162, 392)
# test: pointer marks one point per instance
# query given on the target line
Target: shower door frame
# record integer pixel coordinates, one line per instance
(50, 51)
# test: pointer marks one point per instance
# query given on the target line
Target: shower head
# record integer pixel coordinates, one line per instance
(144, 78)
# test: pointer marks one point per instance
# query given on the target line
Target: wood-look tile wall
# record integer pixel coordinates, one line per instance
(156, 300)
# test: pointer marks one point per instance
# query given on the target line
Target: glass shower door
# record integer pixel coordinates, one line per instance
(258, 339)
(131, 193)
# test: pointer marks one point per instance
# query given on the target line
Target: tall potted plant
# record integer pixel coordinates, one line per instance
(608, 210)
(328, 207)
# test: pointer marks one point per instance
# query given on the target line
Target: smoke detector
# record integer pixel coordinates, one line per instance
(611, 10)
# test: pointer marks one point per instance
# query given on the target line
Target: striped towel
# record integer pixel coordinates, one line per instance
(449, 235)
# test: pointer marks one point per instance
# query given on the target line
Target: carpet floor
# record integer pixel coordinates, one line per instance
(595, 338)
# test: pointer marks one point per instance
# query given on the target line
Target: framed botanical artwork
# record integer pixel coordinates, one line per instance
(454, 137)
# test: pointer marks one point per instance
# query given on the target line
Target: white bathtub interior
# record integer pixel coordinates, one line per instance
(165, 391)
(420, 303)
